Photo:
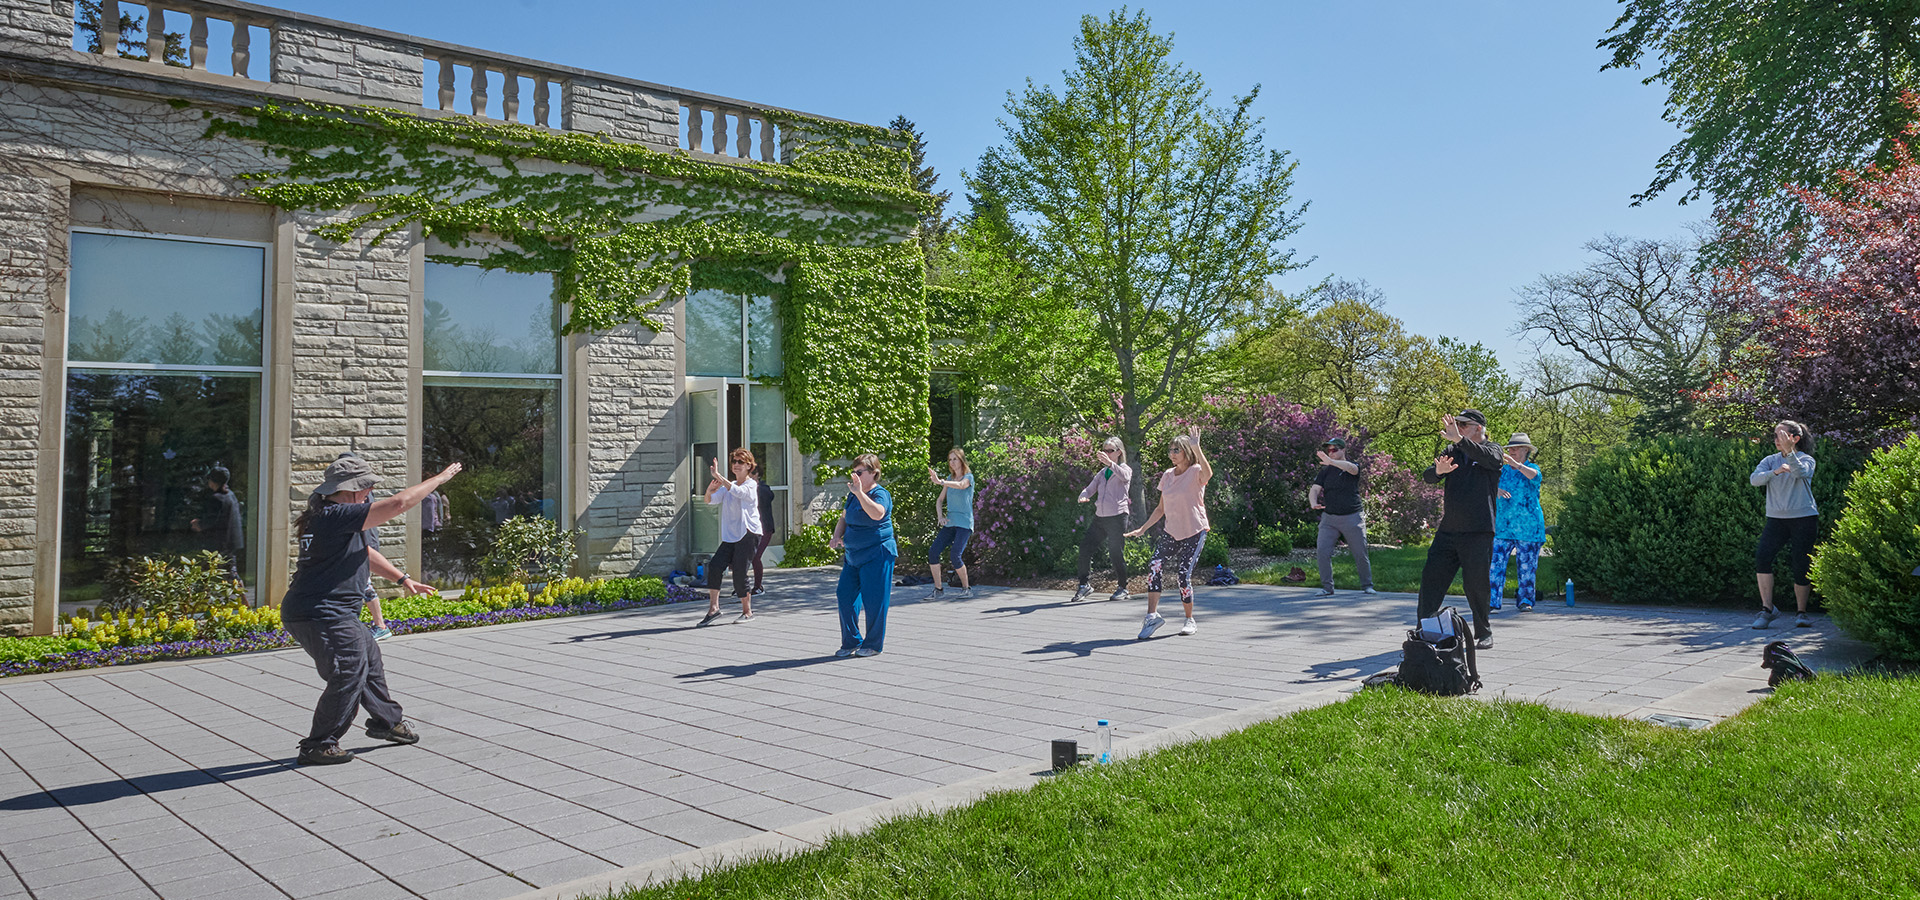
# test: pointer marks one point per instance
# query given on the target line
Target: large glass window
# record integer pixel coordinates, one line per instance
(162, 405)
(733, 342)
(491, 401)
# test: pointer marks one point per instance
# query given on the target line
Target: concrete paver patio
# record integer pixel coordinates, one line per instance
(558, 752)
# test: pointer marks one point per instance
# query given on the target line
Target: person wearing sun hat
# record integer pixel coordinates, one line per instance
(1518, 524)
(1463, 542)
(321, 610)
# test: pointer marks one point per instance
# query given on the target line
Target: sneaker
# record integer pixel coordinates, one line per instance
(382, 633)
(744, 617)
(1324, 592)
(1190, 627)
(843, 653)
(1369, 592)
(1766, 617)
(399, 734)
(1801, 621)
(1485, 643)
(711, 617)
(1524, 607)
(1081, 593)
(965, 593)
(1495, 605)
(758, 591)
(865, 652)
(331, 755)
(936, 594)
(1120, 594)
(1150, 624)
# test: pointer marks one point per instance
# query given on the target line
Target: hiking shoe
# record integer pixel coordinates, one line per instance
(843, 653)
(1081, 593)
(711, 617)
(1190, 627)
(1801, 621)
(331, 755)
(1324, 592)
(1120, 594)
(1766, 617)
(865, 652)
(399, 734)
(1485, 643)
(382, 633)
(1150, 624)
(965, 593)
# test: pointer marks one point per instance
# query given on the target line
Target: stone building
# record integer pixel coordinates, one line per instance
(159, 321)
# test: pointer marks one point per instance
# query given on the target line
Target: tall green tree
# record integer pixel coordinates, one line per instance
(933, 225)
(1489, 388)
(1157, 214)
(1772, 92)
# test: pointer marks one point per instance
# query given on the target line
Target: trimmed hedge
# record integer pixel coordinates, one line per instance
(1674, 519)
(1865, 568)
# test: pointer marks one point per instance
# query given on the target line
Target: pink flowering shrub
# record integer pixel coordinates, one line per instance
(1027, 515)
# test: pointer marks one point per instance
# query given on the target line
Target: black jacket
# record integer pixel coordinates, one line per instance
(1471, 488)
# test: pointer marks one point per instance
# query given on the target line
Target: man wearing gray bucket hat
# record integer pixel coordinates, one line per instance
(321, 610)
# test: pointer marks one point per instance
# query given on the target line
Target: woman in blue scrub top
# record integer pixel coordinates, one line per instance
(866, 579)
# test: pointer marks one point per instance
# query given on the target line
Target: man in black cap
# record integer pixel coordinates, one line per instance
(321, 610)
(220, 524)
(1470, 469)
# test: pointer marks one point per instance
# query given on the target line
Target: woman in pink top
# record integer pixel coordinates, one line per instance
(1183, 504)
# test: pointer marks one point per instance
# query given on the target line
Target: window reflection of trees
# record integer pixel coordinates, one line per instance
(454, 347)
(217, 340)
(506, 437)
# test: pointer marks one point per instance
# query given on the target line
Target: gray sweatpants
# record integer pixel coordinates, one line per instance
(1353, 527)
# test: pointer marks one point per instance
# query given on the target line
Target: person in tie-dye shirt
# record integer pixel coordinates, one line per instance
(1519, 527)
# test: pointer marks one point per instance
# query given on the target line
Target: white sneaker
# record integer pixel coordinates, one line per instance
(1121, 594)
(1485, 643)
(965, 593)
(935, 594)
(1150, 624)
(1369, 592)
(1081, 593)
(1324, 592)
(1190, 627)
(1765, 620)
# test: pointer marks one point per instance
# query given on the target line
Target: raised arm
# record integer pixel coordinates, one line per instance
(1200, 456)
(1482, 452)
(386, 509)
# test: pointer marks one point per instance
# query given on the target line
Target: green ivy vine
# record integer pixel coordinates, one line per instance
(625, 228)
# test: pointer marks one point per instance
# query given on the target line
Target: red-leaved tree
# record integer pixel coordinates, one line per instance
(1831, 315)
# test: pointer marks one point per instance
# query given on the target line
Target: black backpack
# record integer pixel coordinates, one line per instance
(1440, 664)
(1785, 665)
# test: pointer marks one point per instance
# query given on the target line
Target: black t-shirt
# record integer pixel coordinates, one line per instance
(220, 522)
(332, 567)
(1339, 492)
(766, 508)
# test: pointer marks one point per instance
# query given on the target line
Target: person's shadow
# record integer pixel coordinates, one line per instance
(746, 670)
(1344, 669)
(108, 791)
(1085, 648)
(632, 633)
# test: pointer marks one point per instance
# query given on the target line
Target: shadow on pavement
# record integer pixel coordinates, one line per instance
(745, 670)
(1086, 648)
(120, 789)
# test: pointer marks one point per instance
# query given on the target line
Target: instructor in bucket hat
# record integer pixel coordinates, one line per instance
(321, 610)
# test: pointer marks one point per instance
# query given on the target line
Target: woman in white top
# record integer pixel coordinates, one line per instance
(1183, 504)
(739, 502)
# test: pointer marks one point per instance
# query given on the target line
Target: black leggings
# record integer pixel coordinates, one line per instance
(738, 556)
(1801, 532)
(1109, 530)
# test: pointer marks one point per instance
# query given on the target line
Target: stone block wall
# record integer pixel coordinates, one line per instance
(622, 113)
(636, 443)
(33, 212)
(30, 25)
(308, 56)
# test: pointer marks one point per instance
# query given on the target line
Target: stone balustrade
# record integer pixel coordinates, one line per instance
(290, 55)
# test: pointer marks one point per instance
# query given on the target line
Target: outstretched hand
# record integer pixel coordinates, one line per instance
(1449, 429)
(1325, 460)
(1444, 464)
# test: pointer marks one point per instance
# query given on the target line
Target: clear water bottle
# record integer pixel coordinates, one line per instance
(1569, 592)
(1103, 742)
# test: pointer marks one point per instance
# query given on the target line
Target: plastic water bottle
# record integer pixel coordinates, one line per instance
(700, 575)
(1569, 592)
(1103, 742)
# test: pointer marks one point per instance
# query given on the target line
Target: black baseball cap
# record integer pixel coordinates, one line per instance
(1474, 416)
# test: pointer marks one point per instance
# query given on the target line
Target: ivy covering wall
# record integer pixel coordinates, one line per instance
(625, 228)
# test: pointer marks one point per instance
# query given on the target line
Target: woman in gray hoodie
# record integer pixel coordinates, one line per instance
(1792, 517)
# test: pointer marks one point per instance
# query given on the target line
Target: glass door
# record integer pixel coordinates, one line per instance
(707, 435)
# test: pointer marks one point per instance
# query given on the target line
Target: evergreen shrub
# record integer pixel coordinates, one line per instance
(1674, 519)
(1865, 568)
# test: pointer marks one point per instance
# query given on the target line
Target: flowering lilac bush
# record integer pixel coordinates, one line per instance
(1026, 515)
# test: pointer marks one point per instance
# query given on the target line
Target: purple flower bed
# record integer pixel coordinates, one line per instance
(277, 639)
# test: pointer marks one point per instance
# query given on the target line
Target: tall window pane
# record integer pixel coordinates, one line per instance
(481, 320)
(713, 334)
(767, 429)
(763, 339)
(139, 447)
(166, 301)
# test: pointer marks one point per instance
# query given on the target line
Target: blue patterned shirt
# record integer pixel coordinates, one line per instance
(1518, 517)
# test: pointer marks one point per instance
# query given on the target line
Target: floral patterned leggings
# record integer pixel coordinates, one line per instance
(1183, 554)
(1529, 567)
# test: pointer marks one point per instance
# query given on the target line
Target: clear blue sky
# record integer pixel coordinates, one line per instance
(1452, 152)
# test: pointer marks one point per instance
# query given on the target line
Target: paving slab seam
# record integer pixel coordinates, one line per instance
(813, 833)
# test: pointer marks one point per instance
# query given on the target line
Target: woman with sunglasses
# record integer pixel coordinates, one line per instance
(865, 531)
(1183, 504)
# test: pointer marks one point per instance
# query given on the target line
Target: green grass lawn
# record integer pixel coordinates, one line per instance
(1398, 570)
(1391, 794)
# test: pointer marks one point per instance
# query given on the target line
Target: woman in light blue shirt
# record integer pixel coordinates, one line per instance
(866, 579)
(955, 511)
(1792, 517)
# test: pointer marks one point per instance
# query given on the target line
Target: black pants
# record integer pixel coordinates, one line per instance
(760, 549)
(1800, 532)
(1112, 531)
(738, 556)
(346, 656)
(1452, 553)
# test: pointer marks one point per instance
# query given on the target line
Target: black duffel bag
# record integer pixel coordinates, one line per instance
(1437, 658)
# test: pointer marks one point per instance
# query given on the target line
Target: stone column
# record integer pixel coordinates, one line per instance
(33, 252)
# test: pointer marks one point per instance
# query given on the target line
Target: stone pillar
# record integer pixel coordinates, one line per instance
(33, 218)
(636, 445)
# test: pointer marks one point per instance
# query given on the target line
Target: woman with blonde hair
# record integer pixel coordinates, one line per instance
(954, 510)
(1108, 491)
(865, 531)
(1183, 504)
